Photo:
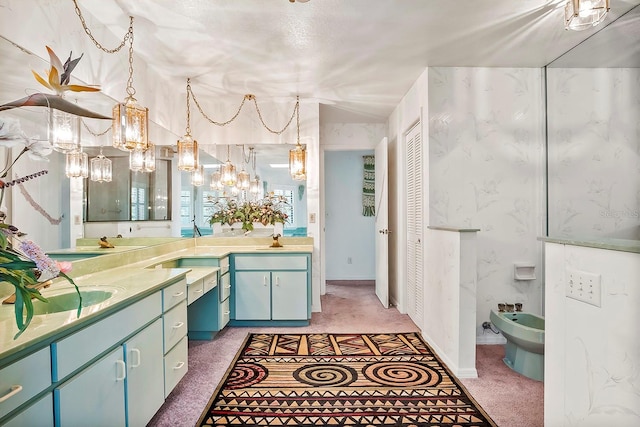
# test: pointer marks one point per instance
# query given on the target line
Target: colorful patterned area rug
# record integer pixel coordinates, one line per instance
(340, 380)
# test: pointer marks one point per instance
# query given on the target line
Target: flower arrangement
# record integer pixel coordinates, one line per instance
(266, 211)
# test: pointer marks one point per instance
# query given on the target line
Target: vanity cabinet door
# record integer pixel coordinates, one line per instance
(289, 295)
(95, 396)
(39, 414)
(253, 295)
(145, 374)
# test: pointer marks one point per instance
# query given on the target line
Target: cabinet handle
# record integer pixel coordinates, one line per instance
(228, 287)
(178, 366)
(178, 325)
(198, 291)
(178, 294)
(264, 280)
(121, 367)
(227, 312)
(15, 389)
(138, 358)
(277, 280)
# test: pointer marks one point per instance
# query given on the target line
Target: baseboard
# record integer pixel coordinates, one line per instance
(490, 339)
(458, 372)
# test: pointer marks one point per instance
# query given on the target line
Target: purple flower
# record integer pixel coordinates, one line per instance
(46, 265)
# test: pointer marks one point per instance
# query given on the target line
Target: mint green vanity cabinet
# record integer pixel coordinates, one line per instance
(174, 332)
(144, 358)
(17, 388)
(208, 314)
(271, 289)
(38, 414)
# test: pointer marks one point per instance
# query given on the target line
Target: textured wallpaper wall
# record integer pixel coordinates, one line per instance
(486, 171)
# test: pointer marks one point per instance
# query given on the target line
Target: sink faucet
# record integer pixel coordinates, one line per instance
(276, 243)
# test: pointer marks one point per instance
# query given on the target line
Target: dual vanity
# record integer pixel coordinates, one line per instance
(117, 363)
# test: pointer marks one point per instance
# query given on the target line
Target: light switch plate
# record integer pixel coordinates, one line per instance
(583, 286)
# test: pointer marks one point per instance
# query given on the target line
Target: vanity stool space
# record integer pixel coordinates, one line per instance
(271, 289)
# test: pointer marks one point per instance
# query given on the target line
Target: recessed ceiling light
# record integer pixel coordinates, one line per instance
(279, 165)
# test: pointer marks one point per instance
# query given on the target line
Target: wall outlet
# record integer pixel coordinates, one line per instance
(583, 286)
(312, 218)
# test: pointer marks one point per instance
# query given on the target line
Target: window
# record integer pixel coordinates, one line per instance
(288, 208)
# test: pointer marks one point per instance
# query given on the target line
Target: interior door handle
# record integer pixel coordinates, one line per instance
(384, 231)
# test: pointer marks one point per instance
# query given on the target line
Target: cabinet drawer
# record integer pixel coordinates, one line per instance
(270, 262)
(175, 366)
(14, 379)
(195, 290)
(175, 325)
(225, 287)
(210, 282)
(72, 352)
(38, 414)
(173, 294)
(223, 314)
(224, 265)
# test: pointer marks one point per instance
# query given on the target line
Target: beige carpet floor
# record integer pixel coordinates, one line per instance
(509, 398)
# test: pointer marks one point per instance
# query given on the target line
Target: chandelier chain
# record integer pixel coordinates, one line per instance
(95, 133)
(188, 129)
(127, 36)
(195, 101)
(277, 132)
(235, 116)
(130, 89)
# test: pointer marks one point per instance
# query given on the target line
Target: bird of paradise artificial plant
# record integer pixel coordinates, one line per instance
(58, 78)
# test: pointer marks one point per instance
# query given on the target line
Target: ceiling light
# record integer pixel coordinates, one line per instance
(583, 14)
(130, 120)
(136, 160)
(298, 155)
(64, 131)
(101, 168)
(197, 176)
(149, 159)
(77, 164)
(187, 146)
(216, 181)
(279, 165)
(228, 172)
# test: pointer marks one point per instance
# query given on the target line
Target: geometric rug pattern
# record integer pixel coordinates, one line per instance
(340, 380)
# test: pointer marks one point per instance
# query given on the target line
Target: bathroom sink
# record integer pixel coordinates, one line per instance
(69, 301)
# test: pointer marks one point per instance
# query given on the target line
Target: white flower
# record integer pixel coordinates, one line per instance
(11, 133)
(39, 150)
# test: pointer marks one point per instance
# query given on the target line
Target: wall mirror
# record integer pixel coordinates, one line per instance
(269, 162)
(130, 196)
(593, 105)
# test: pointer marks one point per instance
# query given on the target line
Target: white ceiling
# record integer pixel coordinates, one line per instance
(359, 56)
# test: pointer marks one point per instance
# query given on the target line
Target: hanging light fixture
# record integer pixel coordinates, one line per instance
(583, 14)
(149, 159)
(228, 171)
(197, 176)
(187, 146)
(216, 182)
(298, 155)
(101, 168)
(130, 120)
(244, 179)
(136, 160)
(77, 164)
(63, 131)
(254, 186)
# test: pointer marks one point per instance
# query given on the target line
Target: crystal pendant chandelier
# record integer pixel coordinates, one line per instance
(136, 160)
(216, 181)
(187, 146)
(63, 131)
(298, 155)
(197, 176)
(254, 186)
(228, 172)
(244, 180)
(130, 120)
(149, 159)
(77, 164)
(101, 168)
(583, 14)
